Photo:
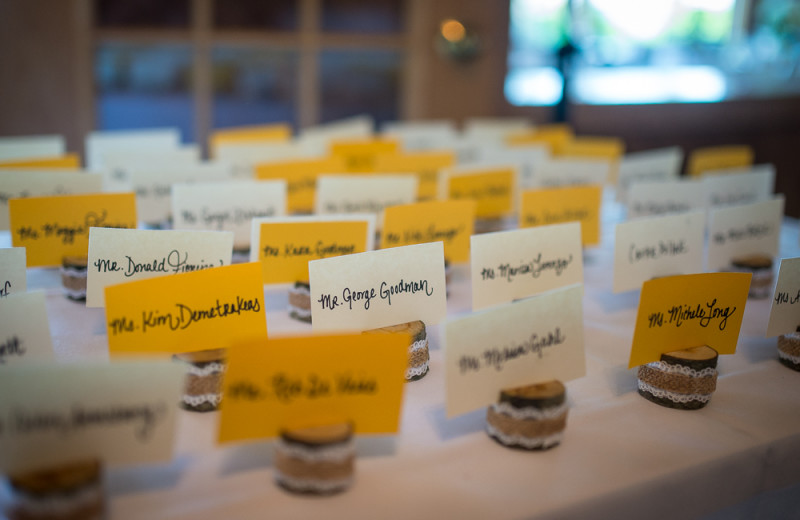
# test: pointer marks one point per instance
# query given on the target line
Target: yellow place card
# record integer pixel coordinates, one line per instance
(739, 185)
(679, 312)
(658, 246)
(530, 341)
(378, 288)
(746, 229)
(718, 158)
(119, 413)
(25, 329)
(557, 205)
(426, 165)
(17, 184)
(784, 316)
(663, 164)
(653, 198)
(492, 189)
(555, 137)
(284, 246)
(510, 265)
(363, 193)
(301, 178)
(227, 206)
(208, 309)
(449, 221)
(248, 134)
(610, 148)
(69, 162)
(360, 155)
(125, 255)
(28, 146)
(51, 228)
(298, 382)
(13, 273)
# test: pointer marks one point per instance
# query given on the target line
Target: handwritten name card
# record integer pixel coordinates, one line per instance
(360, 154)
(18, 184)
(13, 273)
(286, 245)
(784, 316)
(25, 329)
(364, 193)
(678, 312)
(227, 206)
(301, 178)
(102, 142)
(516, 264)
(51, 228)
(557, 205)
(118, 165)
(658, 246)
(491, 188)
(121, 413)
(525, 342)
(124, 255)
(717, 158)
(379, 288)
(743, 230)
(297, 382)
(202, 310)
(563, 171)
(426, 165)
(25, 147)
(526, 159)
(451, 221)
(739, 186)
(648, 198)
(69, 162)
(663, 164)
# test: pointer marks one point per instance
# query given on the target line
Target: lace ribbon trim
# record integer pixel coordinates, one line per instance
(305, 291)
(336, 453)
(320, 486)
(197, 400)
(673, 396)
(788, 357)
(416, 371)
(526, 442)
(58, 504)
(206, 370)
(529, 412)
(74, 272)
(680, 369)
(418, 345)
(75, 294)
(303, 313)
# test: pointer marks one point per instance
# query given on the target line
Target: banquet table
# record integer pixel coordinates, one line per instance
(622, 456)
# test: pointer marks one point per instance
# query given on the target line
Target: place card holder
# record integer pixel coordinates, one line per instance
(74, 271)
(202, 391)
(318, 460)
(300, 301)
(760, 265)
(418, 352)
(530, 417)
(66, 491)
(681, 379)
(789, 349)
(240, 255)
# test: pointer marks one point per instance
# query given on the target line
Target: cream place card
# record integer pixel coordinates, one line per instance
(303, 381)
(227, 206)
(284, 245)
(648, 198)
(51, 228)
(118, 164)
(739, 186)
(417, 135)
(244, 156)
(378, 288)
(658, 246)
(560, 171)
(124, 255)
(119, 413)
(784, 316)
(101, 142)
(13, 273)
(25, 329)
(202, 310)
(530, 341)
(526, 159)
(565, 204)
(510, 265)
(153, 186)
(680, 312)
(743, 230)
(315, 141)
(491, 188)
(363, 193)
(27, 147)
(17, 184)
(663, 164)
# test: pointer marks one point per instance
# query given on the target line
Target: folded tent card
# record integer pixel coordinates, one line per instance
(784, 316)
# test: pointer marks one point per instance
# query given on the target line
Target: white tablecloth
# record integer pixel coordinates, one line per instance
(622, 456)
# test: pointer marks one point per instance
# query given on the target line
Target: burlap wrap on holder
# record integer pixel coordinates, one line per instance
(299, 300)
(297, 468)
(202, 385)
(789, 350)
(527, 428)
(678, 383)
(419, 357)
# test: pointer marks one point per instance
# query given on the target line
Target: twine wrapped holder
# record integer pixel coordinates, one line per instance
(682, 379)
(418, 353)
(316, 460)
(240, 255)
(300, 302)
(531, 417)
(203, 384)
(761, 268)
(73, 277)
(789, 350)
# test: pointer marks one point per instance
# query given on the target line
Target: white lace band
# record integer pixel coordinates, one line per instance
(75, 294)
(680, 369)
(206, 370)
(530, 443)
(416, 371)
(418, 345)
(788, 357)
(58, 504)
(301, 289)
(336, 453)
(311, 484)
(197, 400)
(529, 412)
(673, 396)
(74, 272)
(302, 313)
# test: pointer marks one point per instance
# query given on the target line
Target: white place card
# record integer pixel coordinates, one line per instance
(363, 193)
(521, 343)
(124, 255)
(378, 288)
(743, 230)
(658, 246)
(647, 199)
(315, 141)
(417, 135)
(120, 413)
(784, 316)
(119, 163)
(571, 171)
(25, 329)
(227, 206)
(515, 264)
(739, 186)
(663, 164)
(101, 142)
(526, 159)
(244, 156)
(31, 146)
(13, 271)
